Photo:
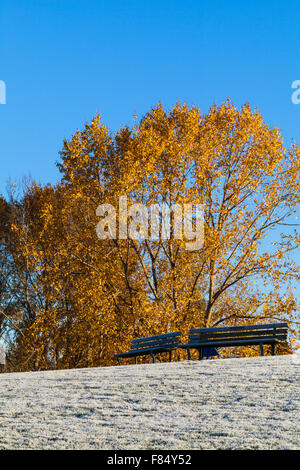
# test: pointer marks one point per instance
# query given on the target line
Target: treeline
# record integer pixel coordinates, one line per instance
(69, 299)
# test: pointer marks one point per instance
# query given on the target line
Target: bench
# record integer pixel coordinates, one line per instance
(152, 345)
(247, 335)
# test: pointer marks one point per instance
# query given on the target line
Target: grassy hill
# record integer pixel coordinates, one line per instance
(250, 403)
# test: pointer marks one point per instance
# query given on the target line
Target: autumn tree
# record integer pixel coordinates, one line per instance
(238, 168)
(76, 299)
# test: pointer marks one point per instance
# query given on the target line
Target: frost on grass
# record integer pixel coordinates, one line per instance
(251, 403)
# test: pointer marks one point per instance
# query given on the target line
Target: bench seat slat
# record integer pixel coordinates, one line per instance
(137, 352)
(241, 327)
(166, 340)
(153, 344)
(231, 342)
(236, 338)
(237, 334)
(157, 337)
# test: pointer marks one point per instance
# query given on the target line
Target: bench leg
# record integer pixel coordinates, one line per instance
(170, 356)
(153, 358)
(135, 359)
(261, 350)
(273, 349)
(200, 354)
(188, 353)
(118, 361)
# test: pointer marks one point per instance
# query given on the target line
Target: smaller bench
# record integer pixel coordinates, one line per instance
(206, 340)
(152, 345)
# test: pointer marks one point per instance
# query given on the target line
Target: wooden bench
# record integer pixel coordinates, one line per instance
(152, 345)
(248, 335)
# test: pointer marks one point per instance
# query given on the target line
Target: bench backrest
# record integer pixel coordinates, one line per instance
(168, 341)
(269, 331)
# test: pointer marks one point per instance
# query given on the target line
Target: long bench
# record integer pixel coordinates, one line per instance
(247, 335)
(152, 345)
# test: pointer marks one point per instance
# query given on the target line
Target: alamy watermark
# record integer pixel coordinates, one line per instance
(296, 94)
(2, 92)
(157, 222)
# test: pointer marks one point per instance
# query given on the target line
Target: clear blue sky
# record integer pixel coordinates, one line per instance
(63, 61)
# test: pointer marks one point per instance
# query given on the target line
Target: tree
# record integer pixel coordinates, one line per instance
(234, 164)
(75, 300)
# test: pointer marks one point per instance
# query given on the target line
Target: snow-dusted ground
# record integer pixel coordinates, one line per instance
(251, 403)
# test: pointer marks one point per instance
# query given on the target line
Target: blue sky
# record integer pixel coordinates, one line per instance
(62, 61)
